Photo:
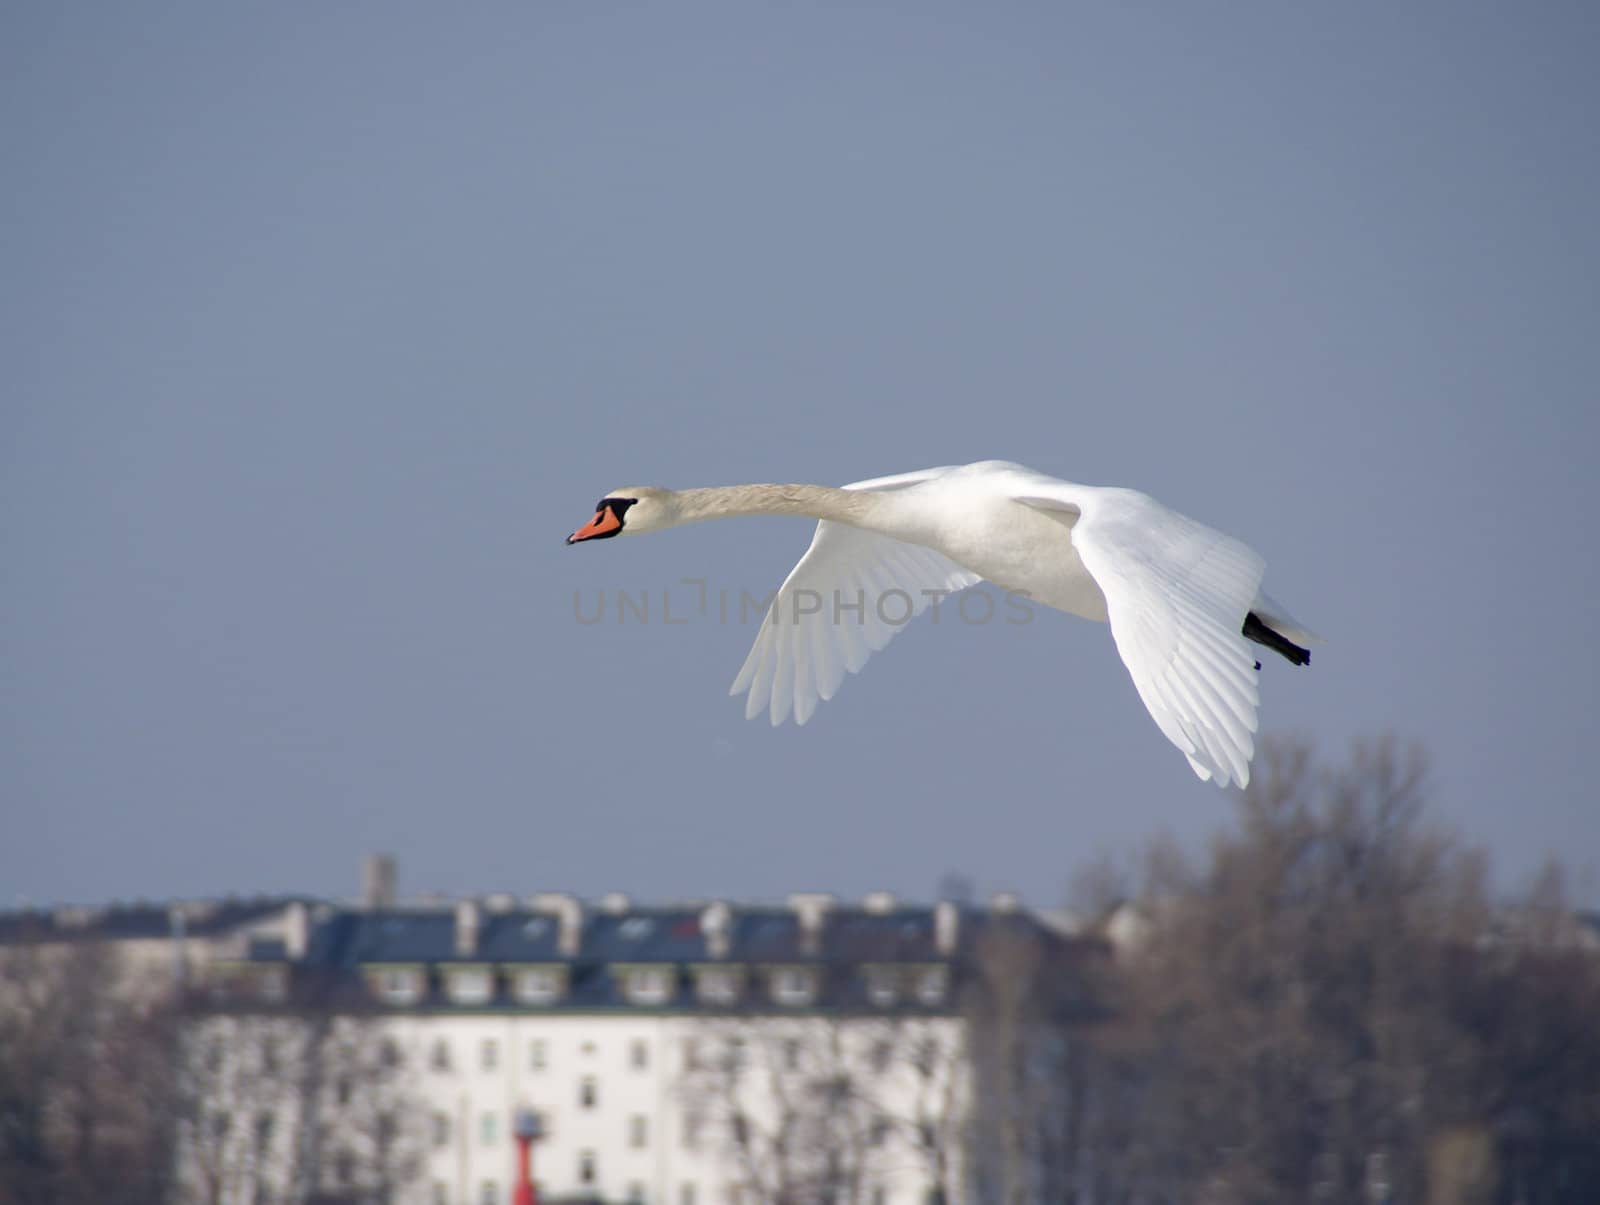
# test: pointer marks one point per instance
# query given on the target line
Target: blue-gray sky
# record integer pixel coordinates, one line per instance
(322, 325)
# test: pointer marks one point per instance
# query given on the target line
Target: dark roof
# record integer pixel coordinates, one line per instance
(343, 941)
(349, 938)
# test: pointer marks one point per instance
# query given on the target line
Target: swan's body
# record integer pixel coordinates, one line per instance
(1181, 598)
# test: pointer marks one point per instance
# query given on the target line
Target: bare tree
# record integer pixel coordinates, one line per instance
(931, 1101)
(826, 1109)
(1331, 1007)
(82, 1066)
(1029, 1007)
(304, 1103)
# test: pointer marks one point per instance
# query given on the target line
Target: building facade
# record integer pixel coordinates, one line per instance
(704, 1054)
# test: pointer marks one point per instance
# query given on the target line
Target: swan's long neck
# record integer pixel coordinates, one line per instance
(859, 508)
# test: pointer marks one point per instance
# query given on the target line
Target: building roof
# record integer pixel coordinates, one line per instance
(350, 938)
(345, 943)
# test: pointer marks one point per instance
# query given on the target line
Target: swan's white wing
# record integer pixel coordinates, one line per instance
(846, 599)
(1177, 593)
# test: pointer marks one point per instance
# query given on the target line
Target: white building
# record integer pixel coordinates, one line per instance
(695, 1054)
(684, 1055)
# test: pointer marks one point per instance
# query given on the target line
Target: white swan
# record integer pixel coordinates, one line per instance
(1181, 598)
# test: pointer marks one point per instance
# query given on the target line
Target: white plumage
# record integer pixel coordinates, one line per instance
(1176, 593)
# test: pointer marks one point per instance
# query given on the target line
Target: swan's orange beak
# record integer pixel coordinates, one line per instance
(604, 523)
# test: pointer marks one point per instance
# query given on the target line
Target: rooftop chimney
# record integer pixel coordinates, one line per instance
(468, 921)
(716, 922)
(378, 882)
(616, 903)
(296, 931)
(811, 908)
(1004, 902)
(879, 902)
(946, 926)
(568, 912)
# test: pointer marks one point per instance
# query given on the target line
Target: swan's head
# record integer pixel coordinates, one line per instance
(628, 512)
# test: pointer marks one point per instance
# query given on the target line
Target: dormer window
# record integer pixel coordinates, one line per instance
(471, 984)
(883, 986)
(649, 985)
(397, 985)
(718, 985)
(539, 985)
(794, 985)
(932, 984)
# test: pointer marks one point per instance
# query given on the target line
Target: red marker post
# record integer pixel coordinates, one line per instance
(528, 1129)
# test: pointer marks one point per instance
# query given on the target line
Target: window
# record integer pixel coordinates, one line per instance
(537, 1055)
(693, 1122)
(635, 1193)
(650, 985)
(263, 1132)
(269, 1056)
(489, 1193)
(718, 985)
(390, 1054)
(441, 1129)
(342, 1090)
(399, 985)
(686, 1194)
(791, 1054)
(344, 1168)
(882, 1051)
(488, 1129)
(489, 1056)
(538, 985)
(588, 1092)
(638, 1131)
(931, 985)
(439, 1060)
(880, 1196)
(639, 1054)
(586, 1164)
(471, 985)
(883, 988)
(794, 985)
(441, 1193)
(879, 1133)
(691, 1054)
